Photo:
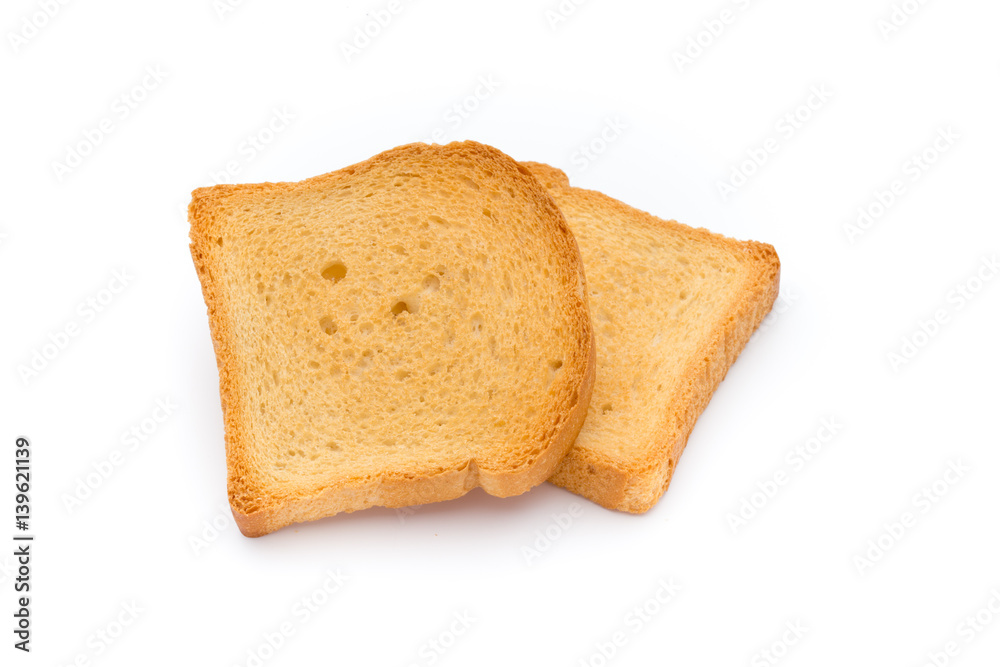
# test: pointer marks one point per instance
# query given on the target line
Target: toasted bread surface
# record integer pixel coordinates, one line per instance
(672, 308)
(394, 333)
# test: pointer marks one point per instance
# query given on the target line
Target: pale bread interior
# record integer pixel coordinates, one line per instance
(418, 314)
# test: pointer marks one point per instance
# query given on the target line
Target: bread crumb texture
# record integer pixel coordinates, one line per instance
(393, 333)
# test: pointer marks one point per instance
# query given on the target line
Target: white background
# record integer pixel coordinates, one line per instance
(845, 307)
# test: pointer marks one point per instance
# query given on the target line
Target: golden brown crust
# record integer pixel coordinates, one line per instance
(255, 510)
(635, 485)
(548, 175)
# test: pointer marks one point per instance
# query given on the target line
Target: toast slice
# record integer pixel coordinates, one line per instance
(672, 308)
(394, 333)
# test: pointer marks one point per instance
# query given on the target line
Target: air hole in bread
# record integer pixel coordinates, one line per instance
(477, 324)
(398, 249)
(335, 272)
(328, 326)
(606, 408)
(363, 363)
(431, 283)
(471, 183)
(407, 304)
(556, 364)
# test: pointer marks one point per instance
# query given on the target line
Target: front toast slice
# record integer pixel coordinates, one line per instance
(394, 333)
(672, 308)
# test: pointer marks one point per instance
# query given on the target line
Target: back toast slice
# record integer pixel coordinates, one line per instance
(394, 333)
(672, 308)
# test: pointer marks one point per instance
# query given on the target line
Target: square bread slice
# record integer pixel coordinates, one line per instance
(393, 333)
(672, 306)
